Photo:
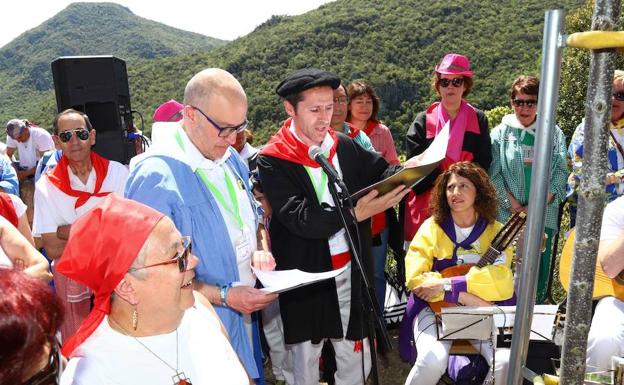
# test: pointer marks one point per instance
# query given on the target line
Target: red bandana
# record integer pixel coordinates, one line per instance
(353, 131)
(59, 176)
(7, 210)
(370, 126)
(284, 145)
(96, 256)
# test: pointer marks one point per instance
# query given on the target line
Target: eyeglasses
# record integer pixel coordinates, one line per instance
(81, 133)
(524, 103)
(224, 131)
(180, 258)
(49, 374)
(341, 100)
(619, 96)
(456, 82)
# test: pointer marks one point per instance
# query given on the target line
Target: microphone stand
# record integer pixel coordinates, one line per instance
(369, 303)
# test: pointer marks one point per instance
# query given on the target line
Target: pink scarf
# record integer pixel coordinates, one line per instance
(465, 121)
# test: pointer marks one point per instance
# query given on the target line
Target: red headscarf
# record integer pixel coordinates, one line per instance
(284, 145)
(59, 176)
(98, 256)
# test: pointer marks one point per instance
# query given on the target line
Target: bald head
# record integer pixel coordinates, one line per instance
(212, 81)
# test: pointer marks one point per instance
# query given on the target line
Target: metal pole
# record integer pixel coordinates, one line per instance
(591, 198)
(548, 95)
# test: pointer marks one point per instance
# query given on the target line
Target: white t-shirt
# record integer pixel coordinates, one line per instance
(54, 208)
(39, 140)
(613, 220)
(204, 354)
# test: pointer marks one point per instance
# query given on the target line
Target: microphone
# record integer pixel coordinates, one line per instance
(316, 154)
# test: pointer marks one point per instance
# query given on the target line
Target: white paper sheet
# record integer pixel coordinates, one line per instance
(284, 280)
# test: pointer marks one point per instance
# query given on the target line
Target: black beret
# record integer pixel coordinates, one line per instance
(304, 79)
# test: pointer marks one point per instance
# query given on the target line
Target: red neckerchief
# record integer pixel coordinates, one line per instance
(284, 145)
(465, 121)
(368, 130)
(7, 210)
(353, 131)
(59, 176)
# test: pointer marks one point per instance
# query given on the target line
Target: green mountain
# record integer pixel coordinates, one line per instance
(83, 29)
(394, 44)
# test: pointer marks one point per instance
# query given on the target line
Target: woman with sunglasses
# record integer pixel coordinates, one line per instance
(614, 179)
(147, 325)
(512, 160)
(469, 132)
(30, 316)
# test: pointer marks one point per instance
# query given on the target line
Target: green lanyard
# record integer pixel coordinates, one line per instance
(319, 188)
(232, 209)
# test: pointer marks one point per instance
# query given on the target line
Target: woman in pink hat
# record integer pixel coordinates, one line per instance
(469, 136)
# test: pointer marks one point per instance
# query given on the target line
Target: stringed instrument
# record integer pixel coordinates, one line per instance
(603, 285)
(505, 236)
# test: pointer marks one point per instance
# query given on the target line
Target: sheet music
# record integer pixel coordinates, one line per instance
(279, 281)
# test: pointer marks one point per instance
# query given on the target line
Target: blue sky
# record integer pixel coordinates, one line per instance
(224, 19)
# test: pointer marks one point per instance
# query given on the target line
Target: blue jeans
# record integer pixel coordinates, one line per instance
(379, 263)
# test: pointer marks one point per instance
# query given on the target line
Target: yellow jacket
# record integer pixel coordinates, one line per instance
(491, 283)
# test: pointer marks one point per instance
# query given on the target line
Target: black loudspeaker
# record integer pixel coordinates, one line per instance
(98, 86)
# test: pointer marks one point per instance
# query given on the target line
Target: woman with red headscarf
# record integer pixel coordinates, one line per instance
(469, 133)
(146, 326)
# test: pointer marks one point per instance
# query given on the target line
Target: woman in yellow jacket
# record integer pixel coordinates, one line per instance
(460, 230)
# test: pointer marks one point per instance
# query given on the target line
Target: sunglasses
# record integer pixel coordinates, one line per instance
(81, 133)
(180, 258)
(524, 103)
(619, 96)
(456, 82)
(227, 130)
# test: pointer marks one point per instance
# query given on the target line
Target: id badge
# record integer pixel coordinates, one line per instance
(243, 246)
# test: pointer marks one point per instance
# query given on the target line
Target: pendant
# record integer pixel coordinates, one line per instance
(181, 379)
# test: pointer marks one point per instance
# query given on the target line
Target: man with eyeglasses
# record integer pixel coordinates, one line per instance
(71, 189)
(199, 180)
(338, 123)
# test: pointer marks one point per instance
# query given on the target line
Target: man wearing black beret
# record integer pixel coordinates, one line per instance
(306, 232)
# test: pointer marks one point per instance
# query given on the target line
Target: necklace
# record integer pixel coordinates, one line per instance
(179, 378)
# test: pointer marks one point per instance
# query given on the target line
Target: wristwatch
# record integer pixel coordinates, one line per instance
(448, 285)
(223, 290)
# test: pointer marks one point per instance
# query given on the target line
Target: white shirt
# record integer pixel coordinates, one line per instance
(244, 241)
(613, 220)
(39, 140)
(204, 354)
(54, 208)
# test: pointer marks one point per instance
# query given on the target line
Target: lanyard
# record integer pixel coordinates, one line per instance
(232, 209)
(319, 188)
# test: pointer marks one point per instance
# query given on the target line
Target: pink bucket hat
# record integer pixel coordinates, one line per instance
(167, 112)
(454, 64)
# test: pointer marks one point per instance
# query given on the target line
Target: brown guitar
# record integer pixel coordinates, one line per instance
(603, 285)
(505, 236)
